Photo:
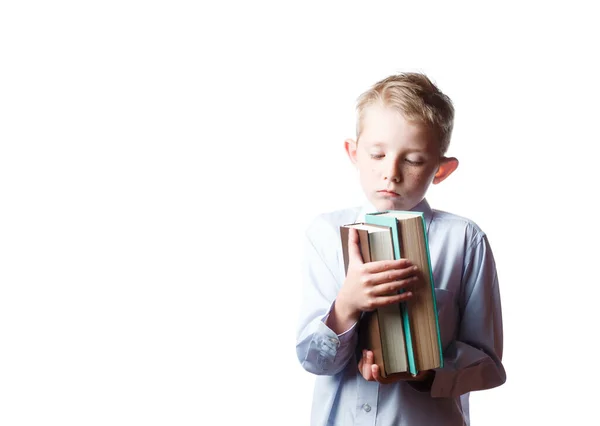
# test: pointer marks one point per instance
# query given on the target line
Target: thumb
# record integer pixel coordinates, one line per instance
(354, 255)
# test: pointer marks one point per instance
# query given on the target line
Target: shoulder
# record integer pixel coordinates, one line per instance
(329, 222)
(454, 224)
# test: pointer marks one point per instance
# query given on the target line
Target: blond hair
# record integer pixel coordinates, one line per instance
(416, 98)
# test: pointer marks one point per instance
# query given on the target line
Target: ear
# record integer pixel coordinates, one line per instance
(350, 145)
(445, 169)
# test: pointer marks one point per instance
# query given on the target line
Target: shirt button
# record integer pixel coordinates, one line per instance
(366, 407)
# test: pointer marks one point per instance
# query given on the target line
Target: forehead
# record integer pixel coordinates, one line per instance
(382, 125)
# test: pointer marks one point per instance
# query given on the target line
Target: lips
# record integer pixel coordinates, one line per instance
(388, 193)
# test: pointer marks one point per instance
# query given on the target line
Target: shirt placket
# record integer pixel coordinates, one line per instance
(366, 402)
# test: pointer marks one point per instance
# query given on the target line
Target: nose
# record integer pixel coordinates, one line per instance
(392, 171)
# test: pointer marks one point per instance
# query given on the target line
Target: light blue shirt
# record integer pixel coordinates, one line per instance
(470, 318)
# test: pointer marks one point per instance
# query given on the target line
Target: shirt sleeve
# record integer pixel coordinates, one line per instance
(474, 360)
(319, 349)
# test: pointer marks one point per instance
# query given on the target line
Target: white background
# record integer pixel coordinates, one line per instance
(160, 160)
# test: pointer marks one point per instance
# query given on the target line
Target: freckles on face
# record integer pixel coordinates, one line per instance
(412, 174)
(395, 155)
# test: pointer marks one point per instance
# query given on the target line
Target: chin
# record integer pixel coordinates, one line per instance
(382, 205)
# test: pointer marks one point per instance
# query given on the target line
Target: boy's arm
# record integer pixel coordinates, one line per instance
(319, 349)
(474, 361)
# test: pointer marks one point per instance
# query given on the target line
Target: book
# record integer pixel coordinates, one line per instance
(381, 330)
(420, 318)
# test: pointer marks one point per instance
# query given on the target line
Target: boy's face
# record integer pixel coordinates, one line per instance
(396, 159)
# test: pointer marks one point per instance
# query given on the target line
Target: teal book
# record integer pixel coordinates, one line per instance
(419, 313)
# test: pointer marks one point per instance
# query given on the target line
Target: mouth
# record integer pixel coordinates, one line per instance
(387, 193)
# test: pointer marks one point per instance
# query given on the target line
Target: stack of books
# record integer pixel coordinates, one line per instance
(404, 337)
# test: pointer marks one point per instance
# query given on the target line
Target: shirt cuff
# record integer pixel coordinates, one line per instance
(346, 335)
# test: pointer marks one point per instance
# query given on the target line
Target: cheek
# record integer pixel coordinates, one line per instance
(413, 173)
(419, 177)
(368, 176)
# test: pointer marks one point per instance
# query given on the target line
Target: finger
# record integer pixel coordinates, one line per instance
(368, 364)
(354, 254)
(370, 357)
(380, 301)
(375, 373)
(389, 265)
(392, 288)
(365, 367)
(393, 274)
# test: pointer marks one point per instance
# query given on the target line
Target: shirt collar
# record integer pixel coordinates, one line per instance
(423, 206)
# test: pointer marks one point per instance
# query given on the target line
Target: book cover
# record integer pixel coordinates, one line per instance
(422, 333)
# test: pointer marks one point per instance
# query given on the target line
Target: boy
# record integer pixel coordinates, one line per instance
(404, 126)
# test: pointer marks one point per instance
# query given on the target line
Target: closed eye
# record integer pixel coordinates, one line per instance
(377, 156)
(413, 162)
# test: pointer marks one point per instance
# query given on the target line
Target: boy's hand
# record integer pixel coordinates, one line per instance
(370, 372)
(371, 285)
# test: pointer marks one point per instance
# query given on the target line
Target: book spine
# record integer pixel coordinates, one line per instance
(391, 222)
(435, 309)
